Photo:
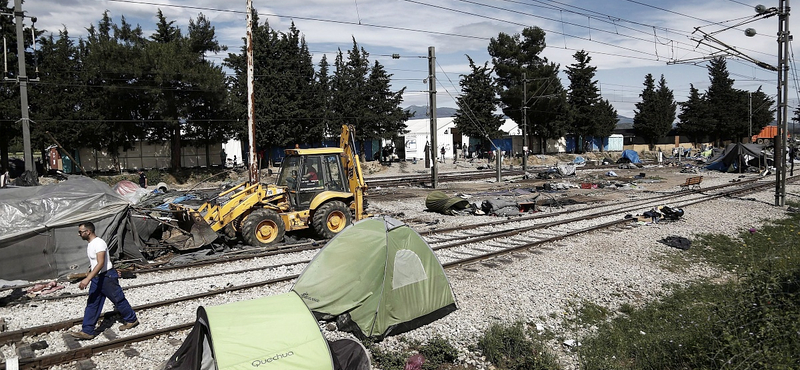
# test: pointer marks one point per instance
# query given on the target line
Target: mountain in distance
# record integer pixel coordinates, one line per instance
(421, 111)
(624, 122)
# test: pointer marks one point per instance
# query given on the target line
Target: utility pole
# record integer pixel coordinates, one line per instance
(750, 117)
(22, 79)
(783, 94)
(524, 122)
(252, 164)
(432, 106)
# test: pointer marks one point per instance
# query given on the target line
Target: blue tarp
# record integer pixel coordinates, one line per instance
(631, 156)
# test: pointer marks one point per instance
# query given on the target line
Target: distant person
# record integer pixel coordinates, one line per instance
(142, 179)
(443, 151)
(234, 161)
(223, 157)
(103, 281)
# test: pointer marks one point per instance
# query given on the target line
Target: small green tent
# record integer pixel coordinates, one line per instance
(377, 278)
(271, 332)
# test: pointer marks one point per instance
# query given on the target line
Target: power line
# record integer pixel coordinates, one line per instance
(307, 19)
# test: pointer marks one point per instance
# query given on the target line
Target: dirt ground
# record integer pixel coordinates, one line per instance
(656, 178)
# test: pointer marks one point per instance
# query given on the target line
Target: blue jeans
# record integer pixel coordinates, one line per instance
(105, 284)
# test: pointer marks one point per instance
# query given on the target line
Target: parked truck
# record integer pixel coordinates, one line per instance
(766, 136)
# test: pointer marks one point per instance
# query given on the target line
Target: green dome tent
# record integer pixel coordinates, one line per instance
(377, 278)
(271, 332)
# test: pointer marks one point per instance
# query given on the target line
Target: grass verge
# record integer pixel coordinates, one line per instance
(749, 321)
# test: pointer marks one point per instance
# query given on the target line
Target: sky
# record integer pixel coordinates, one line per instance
(626, 39)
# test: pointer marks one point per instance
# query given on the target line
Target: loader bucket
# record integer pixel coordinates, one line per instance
(198, 235)
(201, 232)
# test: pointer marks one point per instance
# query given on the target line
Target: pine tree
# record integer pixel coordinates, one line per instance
(722, 100)
(517, 56)
(763, 112)
(655, 114)
(475, 116)
(591, 116)
(694, 122)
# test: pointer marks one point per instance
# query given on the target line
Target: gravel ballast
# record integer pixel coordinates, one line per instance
(607, 268)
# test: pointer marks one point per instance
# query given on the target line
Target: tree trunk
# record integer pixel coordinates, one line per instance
(3, 152)
(208, 154)
(176, 147)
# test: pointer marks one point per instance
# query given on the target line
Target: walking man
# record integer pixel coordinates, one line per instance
(103, 281)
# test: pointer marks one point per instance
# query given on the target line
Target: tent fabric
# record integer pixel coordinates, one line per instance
(376, 278)
(38, 238)
(349, 354)
(270, 332)
(438, 201)
(629, 156)
(737, 155)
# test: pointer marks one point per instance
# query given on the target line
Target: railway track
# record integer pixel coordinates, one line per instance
(456, 246)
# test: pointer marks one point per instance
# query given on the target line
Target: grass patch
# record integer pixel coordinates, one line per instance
(513, 347)
(752, 321)
(437, 352)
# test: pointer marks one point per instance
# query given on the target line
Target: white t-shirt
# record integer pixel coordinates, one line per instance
(95, 246)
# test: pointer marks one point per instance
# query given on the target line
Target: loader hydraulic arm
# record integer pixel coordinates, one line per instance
(352, 167)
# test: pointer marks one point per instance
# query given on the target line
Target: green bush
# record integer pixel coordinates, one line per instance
(438, 351)
(508, 347)
(388, 360)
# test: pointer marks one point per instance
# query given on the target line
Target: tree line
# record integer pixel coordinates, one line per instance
(526, 87)
(118, 86)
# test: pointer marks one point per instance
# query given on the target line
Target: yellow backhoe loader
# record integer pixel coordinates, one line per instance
(320, 188)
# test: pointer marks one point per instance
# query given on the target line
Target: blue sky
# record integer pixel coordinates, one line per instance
(625, 38)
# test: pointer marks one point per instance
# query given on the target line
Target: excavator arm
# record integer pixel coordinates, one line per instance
(352, 167)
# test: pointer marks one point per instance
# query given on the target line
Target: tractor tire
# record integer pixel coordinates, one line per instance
(263, 228)
(331, 218)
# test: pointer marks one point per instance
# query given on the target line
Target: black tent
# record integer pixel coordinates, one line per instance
(737, 157)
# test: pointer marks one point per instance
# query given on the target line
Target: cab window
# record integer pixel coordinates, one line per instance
(290, 168)
(335, 181)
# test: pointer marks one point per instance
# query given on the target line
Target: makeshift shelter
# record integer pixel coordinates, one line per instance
(737, 157)
(438, 201)
(377, 278)
(275, 331)
(38, 227)
(629, 156)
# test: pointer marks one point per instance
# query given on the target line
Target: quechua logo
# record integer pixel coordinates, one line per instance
(269, 360)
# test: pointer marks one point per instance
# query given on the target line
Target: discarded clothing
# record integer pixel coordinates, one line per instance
(676, 242)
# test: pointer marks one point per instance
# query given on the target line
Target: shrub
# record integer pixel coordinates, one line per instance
(508, 347)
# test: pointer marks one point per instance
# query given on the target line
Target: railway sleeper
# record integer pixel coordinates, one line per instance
(85, 365)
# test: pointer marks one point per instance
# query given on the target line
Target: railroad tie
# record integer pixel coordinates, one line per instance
(85, 365)
(108, 333)
(24, 351)
(70, 341)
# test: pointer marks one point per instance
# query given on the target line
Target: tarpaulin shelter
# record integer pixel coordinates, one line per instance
(629, 156)
(39, 227)
(736, 157)
(438, 201)
(273, 332)
(377, 278)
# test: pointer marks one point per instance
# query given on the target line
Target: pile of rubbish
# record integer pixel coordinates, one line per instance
(438, 201)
